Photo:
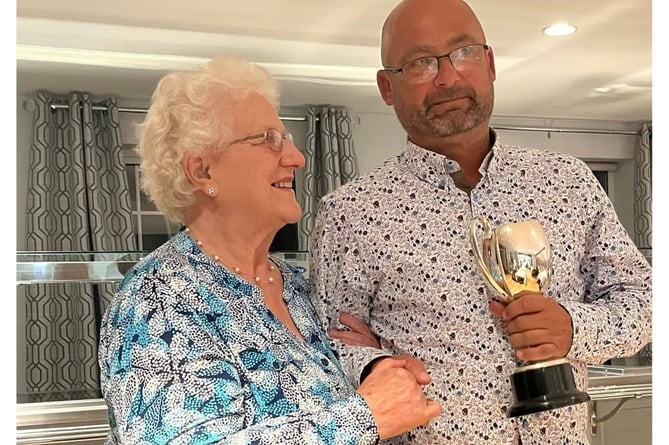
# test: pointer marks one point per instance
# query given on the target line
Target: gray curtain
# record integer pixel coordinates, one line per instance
(330, 161)
(78, 201)
(643, 215)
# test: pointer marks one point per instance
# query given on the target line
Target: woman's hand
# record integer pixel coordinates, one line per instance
(395, 396)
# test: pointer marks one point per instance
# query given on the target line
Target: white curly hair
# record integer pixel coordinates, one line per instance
(193, 112)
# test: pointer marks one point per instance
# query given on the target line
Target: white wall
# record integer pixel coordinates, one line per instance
(377, 137)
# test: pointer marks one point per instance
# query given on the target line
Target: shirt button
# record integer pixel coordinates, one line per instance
(325, 362)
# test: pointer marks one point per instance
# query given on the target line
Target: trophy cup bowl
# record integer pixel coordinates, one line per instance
(514, 258)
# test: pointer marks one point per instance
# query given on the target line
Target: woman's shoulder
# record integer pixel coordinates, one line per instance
(164, 277)
(165, 261)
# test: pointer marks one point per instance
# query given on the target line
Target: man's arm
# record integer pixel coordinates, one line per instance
(613, 317)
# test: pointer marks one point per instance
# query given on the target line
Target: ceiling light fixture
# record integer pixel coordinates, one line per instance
(559, 29)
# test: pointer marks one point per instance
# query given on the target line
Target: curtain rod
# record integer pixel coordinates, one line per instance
(564, 130)
(144, 111)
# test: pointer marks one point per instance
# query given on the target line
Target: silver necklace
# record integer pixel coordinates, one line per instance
(236, 269)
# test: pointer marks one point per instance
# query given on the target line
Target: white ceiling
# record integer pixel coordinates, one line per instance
(327, 51)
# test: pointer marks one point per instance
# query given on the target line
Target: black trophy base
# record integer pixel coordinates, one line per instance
(544, 386)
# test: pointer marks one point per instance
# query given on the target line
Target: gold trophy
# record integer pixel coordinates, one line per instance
(516, 257)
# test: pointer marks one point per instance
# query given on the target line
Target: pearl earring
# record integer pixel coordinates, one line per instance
(211, 191)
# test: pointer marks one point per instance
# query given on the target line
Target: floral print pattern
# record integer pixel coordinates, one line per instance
(189, 354)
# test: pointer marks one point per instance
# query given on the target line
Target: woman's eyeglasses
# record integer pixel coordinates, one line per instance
(271, 137)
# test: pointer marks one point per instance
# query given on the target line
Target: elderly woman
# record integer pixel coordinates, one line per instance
(209, 339)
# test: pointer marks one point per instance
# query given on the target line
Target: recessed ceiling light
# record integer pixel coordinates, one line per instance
(559, 29)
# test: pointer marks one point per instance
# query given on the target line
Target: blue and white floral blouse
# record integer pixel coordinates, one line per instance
(189, 354)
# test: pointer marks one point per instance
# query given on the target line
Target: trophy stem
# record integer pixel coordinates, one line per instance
(542, 386)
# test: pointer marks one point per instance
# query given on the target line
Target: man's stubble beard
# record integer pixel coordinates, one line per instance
(429, 122)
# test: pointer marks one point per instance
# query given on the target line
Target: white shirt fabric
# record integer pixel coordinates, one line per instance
(392, 248)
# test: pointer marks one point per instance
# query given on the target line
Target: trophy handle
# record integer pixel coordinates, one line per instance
(478, 246)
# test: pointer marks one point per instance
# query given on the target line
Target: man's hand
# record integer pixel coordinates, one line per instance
(539, 328)
(396, 398)
(359, 334)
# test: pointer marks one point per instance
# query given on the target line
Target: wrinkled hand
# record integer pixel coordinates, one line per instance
(359, 334)
(396, 399)
(539, 328)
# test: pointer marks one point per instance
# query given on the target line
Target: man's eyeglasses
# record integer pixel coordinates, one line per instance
(462, 59)
(271, 137)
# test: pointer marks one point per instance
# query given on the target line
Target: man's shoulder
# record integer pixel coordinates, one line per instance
(368, 182)
(536, 157)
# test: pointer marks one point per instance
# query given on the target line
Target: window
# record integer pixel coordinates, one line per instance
(604, 172)
(603, 178)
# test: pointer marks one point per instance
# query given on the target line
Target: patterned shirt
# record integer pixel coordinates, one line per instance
(393, 249)
(190, 354)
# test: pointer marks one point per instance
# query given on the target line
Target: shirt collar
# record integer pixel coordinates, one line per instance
(435, 168)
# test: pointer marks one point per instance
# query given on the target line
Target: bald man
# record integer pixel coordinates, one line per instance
(392, 265)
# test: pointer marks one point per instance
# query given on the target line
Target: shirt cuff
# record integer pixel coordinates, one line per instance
(368, 368)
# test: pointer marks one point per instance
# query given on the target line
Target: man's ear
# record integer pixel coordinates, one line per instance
(196, 169)
(491, 62)
(386, 90)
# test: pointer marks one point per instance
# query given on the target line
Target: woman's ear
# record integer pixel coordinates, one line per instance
(196, 169)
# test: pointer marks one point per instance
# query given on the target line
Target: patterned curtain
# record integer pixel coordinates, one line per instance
(78, 201)
(643, 215)
(330, 161)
